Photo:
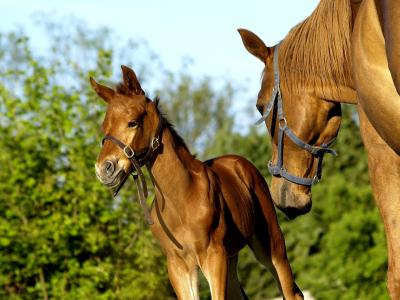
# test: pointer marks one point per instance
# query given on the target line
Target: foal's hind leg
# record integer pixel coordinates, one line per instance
(234, 290)
(183, 276)
(275, 259)
(268, 245)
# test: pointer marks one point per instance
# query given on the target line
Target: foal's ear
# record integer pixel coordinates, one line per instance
(103, 91)
(131, 81)
(254, 44)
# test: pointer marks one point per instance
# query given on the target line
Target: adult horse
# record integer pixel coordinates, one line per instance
(204, 212)
(345, 52)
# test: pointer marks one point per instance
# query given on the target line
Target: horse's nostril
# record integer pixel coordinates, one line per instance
(109, 168)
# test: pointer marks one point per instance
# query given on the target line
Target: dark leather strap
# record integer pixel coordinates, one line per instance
(158, 212)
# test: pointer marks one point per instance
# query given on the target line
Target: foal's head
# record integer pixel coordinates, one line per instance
(314, 121)
(132, 119)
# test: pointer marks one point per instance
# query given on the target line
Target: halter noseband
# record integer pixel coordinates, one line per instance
(318, 151)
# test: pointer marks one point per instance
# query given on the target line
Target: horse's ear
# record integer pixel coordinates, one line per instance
(254, 44)
(131, 81)
(103, 91)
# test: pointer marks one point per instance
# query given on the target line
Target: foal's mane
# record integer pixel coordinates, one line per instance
(179, 141)
(317, 51)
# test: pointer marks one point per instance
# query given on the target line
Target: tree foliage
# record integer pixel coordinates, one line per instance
(63, 236)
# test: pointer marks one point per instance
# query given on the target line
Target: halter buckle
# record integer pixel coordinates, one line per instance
(155, 143)
(128, 151)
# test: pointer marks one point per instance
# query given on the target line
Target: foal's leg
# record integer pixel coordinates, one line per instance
(384, 172)
(183, 276)
(268, 245)
(234, 290)
(215, 269)
(276, 261)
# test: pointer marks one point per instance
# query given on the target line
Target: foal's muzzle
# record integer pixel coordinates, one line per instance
(110, 173)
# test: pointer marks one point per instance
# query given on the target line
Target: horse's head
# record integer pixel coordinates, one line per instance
(130, 126)
(301, 127)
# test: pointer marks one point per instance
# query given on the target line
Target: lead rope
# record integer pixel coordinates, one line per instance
(142, 193)
(140, 180)
(158, 211)
(142, 190)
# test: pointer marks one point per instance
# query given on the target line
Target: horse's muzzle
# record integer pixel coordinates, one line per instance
(109, 173)
(294, 212)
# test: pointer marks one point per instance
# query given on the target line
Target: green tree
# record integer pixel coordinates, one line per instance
(62, 236)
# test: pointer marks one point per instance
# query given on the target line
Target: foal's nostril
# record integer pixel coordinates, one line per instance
(109, 168)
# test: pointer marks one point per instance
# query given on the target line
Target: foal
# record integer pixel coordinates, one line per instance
(204, 212)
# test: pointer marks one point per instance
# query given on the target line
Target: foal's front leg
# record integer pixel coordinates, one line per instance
(183, 275)
(215, 269)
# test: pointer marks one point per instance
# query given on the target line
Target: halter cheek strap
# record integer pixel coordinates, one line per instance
(318, 151)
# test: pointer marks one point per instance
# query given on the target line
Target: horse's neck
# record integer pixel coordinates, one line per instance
(341, 93)
(172, 169)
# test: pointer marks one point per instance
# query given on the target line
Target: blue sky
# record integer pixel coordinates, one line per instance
(174, 29)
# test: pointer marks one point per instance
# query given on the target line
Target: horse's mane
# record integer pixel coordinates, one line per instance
(179, 141)
(317, 50)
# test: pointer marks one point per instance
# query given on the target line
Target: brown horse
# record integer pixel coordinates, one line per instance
(345, 52)
(204, 212)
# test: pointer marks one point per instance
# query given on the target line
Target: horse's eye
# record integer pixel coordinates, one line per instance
(133, 124)
(260, 108)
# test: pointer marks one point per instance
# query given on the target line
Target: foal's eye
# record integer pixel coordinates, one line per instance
(133, 124)
(260, 108)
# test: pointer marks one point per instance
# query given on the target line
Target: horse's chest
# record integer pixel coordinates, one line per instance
(187, 226)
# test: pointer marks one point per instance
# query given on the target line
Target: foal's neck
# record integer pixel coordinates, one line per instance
(173, 167)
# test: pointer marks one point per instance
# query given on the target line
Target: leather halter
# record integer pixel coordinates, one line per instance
(138, 159)
(278, 169)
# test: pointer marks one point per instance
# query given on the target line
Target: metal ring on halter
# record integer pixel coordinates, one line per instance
(316, 179)
(128, 155)
(284, 124)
